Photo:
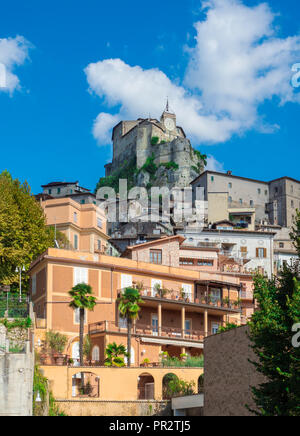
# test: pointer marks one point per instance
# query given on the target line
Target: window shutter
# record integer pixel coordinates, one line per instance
(265, 252)
(257, 252)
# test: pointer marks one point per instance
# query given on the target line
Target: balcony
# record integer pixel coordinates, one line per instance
(147, 330)
(201, 298)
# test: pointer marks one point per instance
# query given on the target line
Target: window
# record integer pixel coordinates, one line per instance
(212, 178)
(215, 328)
(49, 191)
(230, 199)
(266, 192)
(259, 191)
(261, 253)
(126, 281)
(292, 203)
(58, 190)
(156, 257)
(99, 245)
(229, 185)
(77, 316)
(251, 203)
(186, 262)
(96, 354)
(204, 262)
(99, 223)
(281, 245)
(33, 284)
(71, 191)
(80, 276)
(122, 322)
(241, 201)
(82, 202)
(244, 252)
(75, 217)
(76, 242)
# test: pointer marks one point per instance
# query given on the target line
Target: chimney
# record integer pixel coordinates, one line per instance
(229, 173)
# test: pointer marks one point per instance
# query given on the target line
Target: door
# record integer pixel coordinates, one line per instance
(154, 323)
(215, 296)
(76, 354)
(155, 282)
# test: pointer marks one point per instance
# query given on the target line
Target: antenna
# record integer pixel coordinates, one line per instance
(167, 107)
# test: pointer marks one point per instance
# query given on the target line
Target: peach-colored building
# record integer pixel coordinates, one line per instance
(192, 305)
(83, 224)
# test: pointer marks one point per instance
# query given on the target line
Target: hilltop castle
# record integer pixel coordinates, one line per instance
(162, 142)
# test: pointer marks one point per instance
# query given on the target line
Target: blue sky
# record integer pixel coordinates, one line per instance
(46, 124)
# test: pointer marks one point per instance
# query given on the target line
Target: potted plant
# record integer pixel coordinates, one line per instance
(182, 294)
(237, 303)
(56, 342)
(146, 363)
(226, 302)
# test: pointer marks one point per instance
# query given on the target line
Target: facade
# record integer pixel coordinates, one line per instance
(275, 202)
(207, 257)
(175, 317)
(83, 224)
(253, 249)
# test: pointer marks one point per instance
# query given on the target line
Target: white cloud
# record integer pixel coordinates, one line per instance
(214, 165)
(13, 53)
(237, 64)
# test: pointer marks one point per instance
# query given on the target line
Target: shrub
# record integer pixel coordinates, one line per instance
(154, 140)
(56, 341)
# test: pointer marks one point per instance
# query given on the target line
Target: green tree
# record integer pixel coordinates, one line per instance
(23, 231)
(83, 300)
(271, 335)
(115, 355)
(129, 308)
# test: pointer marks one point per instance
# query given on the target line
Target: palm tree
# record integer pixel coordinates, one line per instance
(82, 300)
(129, 308)
(114, 355)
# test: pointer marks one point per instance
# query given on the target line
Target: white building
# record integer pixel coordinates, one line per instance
(252, 248)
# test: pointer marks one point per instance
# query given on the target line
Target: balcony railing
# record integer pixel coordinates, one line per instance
(184, 297)
(147, 330)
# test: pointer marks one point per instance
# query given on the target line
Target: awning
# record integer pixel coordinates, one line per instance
(177, 343)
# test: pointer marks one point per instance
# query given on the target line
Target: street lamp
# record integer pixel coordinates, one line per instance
(20, 269)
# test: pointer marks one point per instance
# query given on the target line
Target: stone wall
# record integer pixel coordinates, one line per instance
(16, 378)
(228, 374)
(115, 408)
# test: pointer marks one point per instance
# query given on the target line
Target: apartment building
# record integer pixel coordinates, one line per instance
(180, 306)
(275, 202)
(253, 249)
(83, 224)
(206, 257)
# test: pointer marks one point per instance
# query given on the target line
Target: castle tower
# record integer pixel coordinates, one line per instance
(168, 119)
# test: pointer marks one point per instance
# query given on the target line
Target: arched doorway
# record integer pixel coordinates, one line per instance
(169, 385)
(145, 387)
(85, 385)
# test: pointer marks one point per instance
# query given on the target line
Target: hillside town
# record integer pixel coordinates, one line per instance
(149, 211)
(189, 283)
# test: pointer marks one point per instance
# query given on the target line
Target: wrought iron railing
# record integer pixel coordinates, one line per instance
(12, 306)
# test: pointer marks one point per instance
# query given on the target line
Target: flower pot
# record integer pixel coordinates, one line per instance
(43, 359)
(59, 359)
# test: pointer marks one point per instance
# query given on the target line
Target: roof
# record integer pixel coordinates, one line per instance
(59, 184)
(231, 176)
(167, 239)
